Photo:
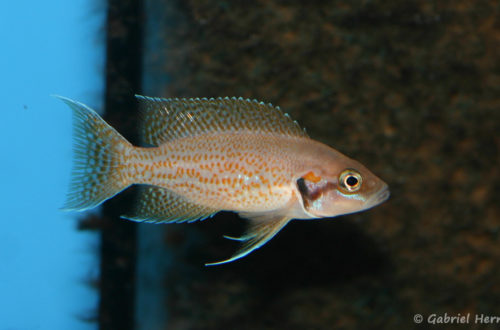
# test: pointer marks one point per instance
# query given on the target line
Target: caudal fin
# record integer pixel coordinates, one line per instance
(99, 158)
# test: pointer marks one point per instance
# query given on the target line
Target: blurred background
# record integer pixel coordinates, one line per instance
(49, 269)
(410, 89)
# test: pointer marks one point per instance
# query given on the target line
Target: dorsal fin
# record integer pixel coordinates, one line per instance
(170, 119)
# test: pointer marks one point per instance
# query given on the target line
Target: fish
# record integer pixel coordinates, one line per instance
(200, 156)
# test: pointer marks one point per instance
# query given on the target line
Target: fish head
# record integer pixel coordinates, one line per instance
(341, 186)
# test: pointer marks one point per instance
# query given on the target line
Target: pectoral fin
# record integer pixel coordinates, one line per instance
(263, 227)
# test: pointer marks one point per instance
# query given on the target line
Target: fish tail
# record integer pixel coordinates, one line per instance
(100, 154)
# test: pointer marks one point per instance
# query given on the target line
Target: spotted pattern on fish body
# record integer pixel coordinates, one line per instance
(217, 173)
(218, 154)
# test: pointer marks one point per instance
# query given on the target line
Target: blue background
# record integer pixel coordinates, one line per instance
(48, 47)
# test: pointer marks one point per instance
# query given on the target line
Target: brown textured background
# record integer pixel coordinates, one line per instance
(409, 88)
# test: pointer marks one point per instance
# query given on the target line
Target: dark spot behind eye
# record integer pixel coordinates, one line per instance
(304, 192)
(311, 191)
(301, 184)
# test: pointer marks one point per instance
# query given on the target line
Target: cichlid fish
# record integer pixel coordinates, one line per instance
(216, 154)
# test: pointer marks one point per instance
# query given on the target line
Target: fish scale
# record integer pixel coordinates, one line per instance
(217, 174)
(208, 155)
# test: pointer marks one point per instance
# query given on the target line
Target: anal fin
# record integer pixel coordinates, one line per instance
(263, 227)
(160, 205)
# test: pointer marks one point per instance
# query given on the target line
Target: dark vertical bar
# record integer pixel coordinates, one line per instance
(118, 237)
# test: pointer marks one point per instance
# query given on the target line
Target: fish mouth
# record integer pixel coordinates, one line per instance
(381, 196)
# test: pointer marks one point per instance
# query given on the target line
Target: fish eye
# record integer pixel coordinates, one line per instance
(350, 180)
